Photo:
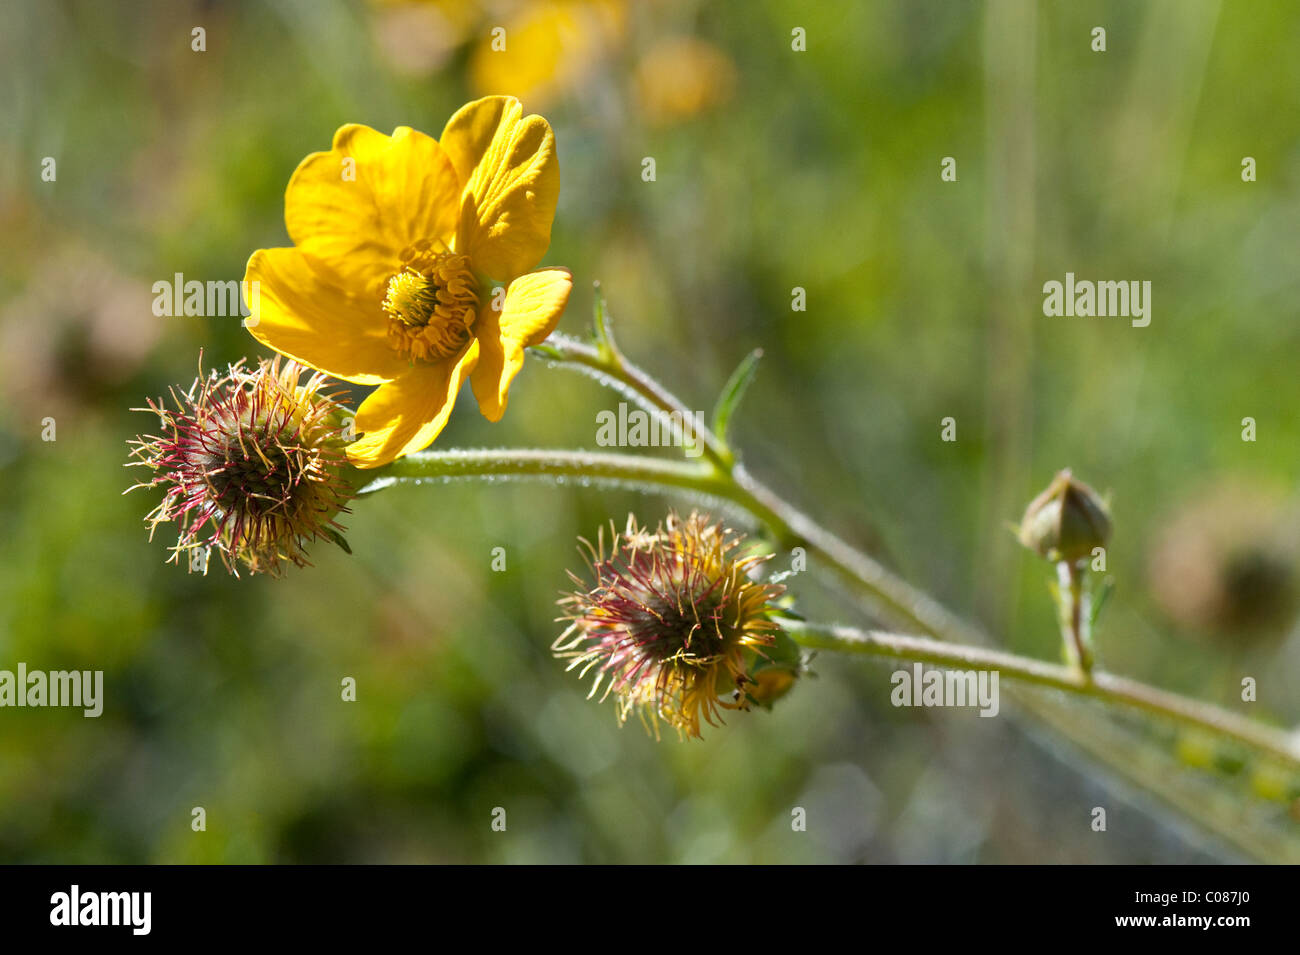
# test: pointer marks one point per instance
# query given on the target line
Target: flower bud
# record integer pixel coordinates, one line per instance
(1066, 522)
(769, 683)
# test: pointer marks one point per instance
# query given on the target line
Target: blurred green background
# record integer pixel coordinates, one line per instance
(776, 169)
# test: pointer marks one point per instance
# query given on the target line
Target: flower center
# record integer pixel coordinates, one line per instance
(258, 478)
(431, 303)
(673, 615)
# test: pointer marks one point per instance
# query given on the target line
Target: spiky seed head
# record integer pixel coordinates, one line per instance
(672, 621)
(251, 464)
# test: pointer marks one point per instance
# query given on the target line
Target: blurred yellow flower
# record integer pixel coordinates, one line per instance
(395, 241)
(680, 77)
(546, 49)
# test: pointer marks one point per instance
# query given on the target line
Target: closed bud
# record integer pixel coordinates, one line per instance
(1066, 522)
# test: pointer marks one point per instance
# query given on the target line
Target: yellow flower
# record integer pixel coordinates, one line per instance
(396, 241)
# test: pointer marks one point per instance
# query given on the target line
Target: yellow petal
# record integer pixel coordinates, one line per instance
(405, 415)
(356, 207)
(298, 312)
(531, 310)
(512, 181)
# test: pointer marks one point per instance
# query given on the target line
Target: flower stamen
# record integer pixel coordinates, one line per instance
(431, 303)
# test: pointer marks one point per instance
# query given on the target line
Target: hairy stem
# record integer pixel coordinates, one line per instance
(1073, 605)
(609, 365)
(1098, 685)
(621, 470)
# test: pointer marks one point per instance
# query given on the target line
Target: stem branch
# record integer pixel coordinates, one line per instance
(1097, 685)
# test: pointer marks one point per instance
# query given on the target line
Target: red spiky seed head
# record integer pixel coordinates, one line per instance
(252, 466)
(672, 621)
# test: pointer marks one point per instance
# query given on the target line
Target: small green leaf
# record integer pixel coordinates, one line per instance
(338, 538)
(602, 329)
(1104, 591)
(786, 612)
(733, 391)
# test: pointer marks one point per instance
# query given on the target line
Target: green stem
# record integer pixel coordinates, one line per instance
(609, 365)
(1072, 597)
(1097, 684)
(622, 470)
